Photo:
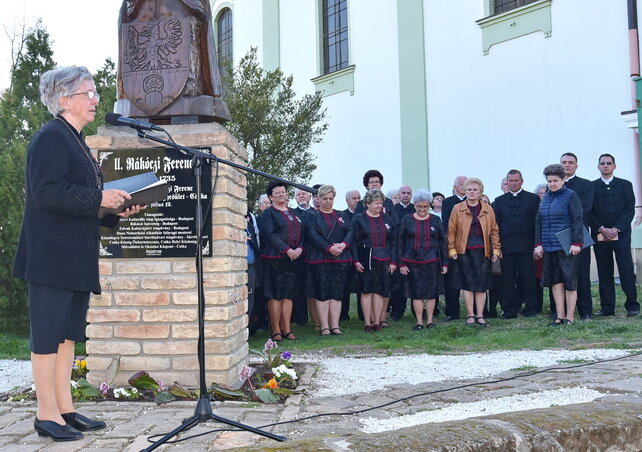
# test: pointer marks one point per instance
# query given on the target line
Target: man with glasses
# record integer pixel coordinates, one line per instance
(612, 214)
(584, 189)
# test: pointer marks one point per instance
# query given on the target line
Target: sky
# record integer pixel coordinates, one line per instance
(83, 32)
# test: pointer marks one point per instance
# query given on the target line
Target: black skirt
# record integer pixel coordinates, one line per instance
(330, 280)
(277, 283)
(376, 280)
(472, 271)
(560, 268)
(423, 281)
(56, 314)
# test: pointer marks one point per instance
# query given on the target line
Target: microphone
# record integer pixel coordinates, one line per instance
(119, 120)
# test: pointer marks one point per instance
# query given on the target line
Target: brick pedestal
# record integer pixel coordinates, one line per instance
(146, 316)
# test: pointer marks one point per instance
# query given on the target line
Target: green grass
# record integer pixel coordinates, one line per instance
(456, 337)
(17, 347)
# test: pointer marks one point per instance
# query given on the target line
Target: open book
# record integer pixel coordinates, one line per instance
(144, 189)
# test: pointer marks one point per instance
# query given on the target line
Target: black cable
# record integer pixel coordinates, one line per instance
(403, 399)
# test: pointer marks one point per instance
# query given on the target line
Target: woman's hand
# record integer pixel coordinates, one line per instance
(112, 199)
(538, 252)
(359, 267)
(575, 250)
(341, 247)
(335, 250)
(133, 210)
(294, 254)
(494, 258)
(444, 270)
(454, 256)
(392, 268)
(404, 270)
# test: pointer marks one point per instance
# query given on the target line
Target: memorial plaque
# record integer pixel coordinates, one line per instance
(166, 228)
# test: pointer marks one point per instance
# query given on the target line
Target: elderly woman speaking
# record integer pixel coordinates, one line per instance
(63, 193)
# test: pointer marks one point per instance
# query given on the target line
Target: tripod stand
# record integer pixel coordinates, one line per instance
(203, 411)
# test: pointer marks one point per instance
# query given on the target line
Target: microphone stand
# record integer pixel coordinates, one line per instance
(203, 411)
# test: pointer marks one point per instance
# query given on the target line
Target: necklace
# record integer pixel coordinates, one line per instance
(84, 149)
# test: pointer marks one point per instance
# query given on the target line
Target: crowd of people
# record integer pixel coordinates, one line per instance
(305, 262)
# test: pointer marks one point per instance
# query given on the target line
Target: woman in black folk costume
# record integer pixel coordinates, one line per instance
(375, 255)
(281, 232)
(422, 256)
(328, 237)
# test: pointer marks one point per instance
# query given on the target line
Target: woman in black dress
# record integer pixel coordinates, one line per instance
(58, 248)
(281, 232)
(328, 236)
(473, 240)
(422, 256)
(375, 255)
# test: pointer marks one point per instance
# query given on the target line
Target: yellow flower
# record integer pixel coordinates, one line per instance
(272, 384)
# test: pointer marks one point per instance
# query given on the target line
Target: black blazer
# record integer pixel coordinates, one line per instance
(318, 227)
(515, 217)
(253, 242)
(614, 206)
(58, 243)
(584, 189)
(447, 207)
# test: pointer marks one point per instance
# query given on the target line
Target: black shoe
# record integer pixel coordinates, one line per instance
(417, 327)
(556, 322)
(632, 312)
(56, 431)
(601, 313)
(450, 318)
(507, 316)
(586, 317)
(82, 423)
(529, 314)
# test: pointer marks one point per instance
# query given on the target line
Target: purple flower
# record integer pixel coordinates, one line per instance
(286, 355)
(104, 388)
(161, 384)
(269, 345)
(245, 373)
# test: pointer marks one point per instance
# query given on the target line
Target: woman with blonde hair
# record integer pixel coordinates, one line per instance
(473, 242)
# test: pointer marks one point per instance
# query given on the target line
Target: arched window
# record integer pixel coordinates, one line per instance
(335, 35)
(506, 5)
(224, 35)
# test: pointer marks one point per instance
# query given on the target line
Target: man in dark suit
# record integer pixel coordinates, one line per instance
(254, 271)
(613, 212)
(515, 212)
(302, 199)
(584, 189)
(352, 199)
(452, 295)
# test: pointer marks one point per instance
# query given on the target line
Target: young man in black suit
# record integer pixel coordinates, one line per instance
(584, 189)
(515, 212)
(452, 295)
(613, 212)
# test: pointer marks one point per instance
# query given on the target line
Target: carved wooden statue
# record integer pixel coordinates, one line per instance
(167, 68)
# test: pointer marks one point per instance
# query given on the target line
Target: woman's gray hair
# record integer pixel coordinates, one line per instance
(539, 187)
(422, 195)
(61, 82)
(554, 170)
(325, 189)
(392, 193)
(373, 195)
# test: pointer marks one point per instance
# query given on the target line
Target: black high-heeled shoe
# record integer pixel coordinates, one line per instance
(82, 423)
(56, 431)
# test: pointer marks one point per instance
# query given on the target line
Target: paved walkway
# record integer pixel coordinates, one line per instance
(613, 421)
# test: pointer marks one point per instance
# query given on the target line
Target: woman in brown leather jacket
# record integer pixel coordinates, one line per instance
(473, 242)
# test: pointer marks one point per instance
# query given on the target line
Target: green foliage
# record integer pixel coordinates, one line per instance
(276, 128)
(266, 395)
(82, 390)
(105, 81)
(21, 115)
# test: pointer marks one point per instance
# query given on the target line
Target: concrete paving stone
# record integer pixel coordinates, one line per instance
(26, 447)
(6, 441)
(624, 385)
(21, 428)
(371, 400)
(108, 445)
(231, 440)
(137, 443)
(138, 426)
(11, 418)
(70, 446)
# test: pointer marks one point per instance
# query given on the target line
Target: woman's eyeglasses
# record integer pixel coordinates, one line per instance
(91, 95)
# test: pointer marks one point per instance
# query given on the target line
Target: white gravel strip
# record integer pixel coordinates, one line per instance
(343, 376)
(487, 407)
(14, 373)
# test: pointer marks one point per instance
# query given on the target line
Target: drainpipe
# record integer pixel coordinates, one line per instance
(634, 64)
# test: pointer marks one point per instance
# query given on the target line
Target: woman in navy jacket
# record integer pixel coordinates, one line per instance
(375, 255)
(560, 209)
(328, 237)
(58, 248)
(281, 234)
